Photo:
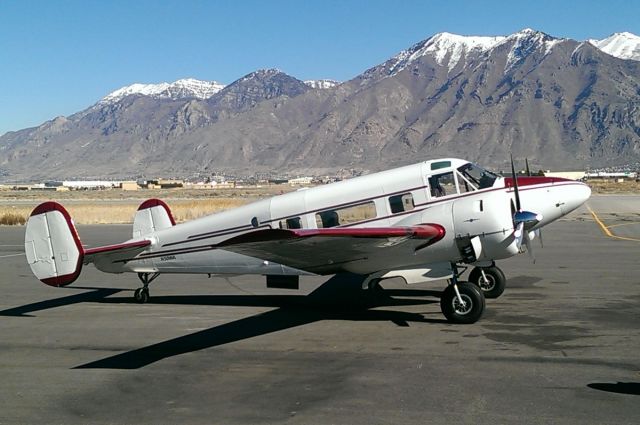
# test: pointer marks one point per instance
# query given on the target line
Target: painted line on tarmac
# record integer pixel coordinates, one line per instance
(623, 224)
(606, 230)
(11, 255)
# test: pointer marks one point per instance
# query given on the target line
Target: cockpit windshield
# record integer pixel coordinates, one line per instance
(477, 175)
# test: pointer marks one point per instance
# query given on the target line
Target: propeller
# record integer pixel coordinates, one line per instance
(524, 221)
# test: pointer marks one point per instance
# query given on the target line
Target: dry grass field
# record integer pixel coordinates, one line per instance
(116, 206)
(610, 186)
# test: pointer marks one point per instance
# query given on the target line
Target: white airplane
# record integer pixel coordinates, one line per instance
(421, 222)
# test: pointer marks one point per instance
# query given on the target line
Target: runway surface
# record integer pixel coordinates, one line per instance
(562, 345)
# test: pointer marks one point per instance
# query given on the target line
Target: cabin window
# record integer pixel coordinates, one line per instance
(442, 185)
(347, 215)
(291, 223)
(400, 203)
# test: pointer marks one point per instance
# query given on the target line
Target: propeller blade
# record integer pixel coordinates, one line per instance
(518, 233)
(515, 185)
(526, 161)
(527, 242)
(540, 237)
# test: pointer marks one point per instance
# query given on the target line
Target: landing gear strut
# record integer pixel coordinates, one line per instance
(490, 280)
(461, 302)
(141, 295)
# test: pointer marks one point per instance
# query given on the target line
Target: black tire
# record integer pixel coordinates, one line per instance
(471, 312)
(141, 295)
(496, 282)
(375, 287)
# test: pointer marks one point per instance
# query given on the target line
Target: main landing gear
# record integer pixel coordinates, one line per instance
(461, 302)
(141, 295)
(490, 280)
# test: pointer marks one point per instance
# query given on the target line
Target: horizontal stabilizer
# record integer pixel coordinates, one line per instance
(126, 249)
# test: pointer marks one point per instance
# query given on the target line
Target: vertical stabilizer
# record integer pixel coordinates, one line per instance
(152, 215)
(52, 245)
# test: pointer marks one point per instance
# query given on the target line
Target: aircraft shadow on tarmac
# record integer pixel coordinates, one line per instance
(632, 388)
(95, 295)
(340, 298)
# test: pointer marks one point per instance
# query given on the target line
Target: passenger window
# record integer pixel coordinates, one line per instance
(348, 215)
(291, 223)
(326, 219)
(400, 203)
(442, 185)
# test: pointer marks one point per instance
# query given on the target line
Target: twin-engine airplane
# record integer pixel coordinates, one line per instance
(420, 222)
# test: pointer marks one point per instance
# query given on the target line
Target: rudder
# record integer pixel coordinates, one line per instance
(52, 246)
(152, 215)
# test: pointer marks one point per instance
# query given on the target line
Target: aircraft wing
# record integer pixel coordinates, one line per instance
(334, 250)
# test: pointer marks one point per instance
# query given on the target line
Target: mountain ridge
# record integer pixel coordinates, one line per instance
(559, 102)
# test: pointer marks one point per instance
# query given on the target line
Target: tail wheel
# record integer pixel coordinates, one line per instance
(492, 283)
(467, 308)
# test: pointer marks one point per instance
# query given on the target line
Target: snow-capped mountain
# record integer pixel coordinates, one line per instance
(321, 84)
(447, 49)
(623, 45)
(180, 89)
(453, 51)
(526, 42)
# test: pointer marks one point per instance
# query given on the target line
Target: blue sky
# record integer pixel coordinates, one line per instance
(58, 57)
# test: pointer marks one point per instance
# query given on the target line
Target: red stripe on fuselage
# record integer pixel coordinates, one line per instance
(535, 180)
(529, 183)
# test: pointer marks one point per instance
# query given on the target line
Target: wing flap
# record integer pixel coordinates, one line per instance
(334, 250)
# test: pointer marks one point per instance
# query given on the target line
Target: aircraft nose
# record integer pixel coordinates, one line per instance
(584, 192)
(577, 196)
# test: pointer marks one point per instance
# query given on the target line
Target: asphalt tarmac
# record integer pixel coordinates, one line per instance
(562, 345)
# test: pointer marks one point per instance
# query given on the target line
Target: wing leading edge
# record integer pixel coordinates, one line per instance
(334, 250)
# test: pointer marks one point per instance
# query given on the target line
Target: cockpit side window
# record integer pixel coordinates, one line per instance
(464, 184)
(442, 185)
(477, 176)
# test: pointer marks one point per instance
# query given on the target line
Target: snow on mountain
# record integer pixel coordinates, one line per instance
(184, 88)
(623, 45)
(526, 42)
(260, 73)
(447, 49)
(321, 84)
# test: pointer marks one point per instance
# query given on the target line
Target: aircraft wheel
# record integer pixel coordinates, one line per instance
(493, 286)
(375, 287)
(141, 295)
(471, 308)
